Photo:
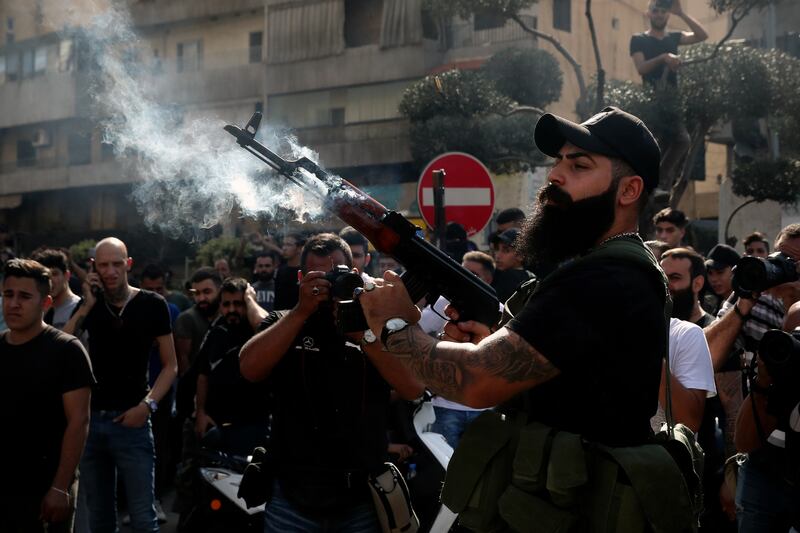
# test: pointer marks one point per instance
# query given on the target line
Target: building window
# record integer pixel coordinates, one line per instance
(10, 30)
(615, 23)
(486, 19)
(362, 22)
(26, 153)
(40, 60)
(256, 42)
(79, 146)
(562, 15)
(190, 56)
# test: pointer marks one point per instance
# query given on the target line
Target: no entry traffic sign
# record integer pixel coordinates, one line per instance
(468, 191)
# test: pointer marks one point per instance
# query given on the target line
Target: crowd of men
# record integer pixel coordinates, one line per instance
(118, 382)
(239, 361)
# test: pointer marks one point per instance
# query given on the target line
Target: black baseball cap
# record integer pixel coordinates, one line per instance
(612, 132)
(722, 256)
(506, 237)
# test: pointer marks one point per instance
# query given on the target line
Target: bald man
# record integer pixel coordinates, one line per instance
(123, 323)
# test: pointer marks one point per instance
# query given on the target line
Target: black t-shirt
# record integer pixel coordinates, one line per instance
(231, 399)
(37, 374)
(330, 403)
(652, 47)
(265, 293)
(505, 282)
(603, 327)
(119, 347)
(286, 287)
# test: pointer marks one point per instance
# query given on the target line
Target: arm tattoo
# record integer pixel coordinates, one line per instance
(448, 371)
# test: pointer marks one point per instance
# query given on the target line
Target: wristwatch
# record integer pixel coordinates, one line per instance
(369, 337)
(393, 325)
(151, 404)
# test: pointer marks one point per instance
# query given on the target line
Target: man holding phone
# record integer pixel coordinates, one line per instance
(123, 323)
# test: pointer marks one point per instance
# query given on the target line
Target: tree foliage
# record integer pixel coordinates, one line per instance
(741, 84)
(477, 112)
(216, 248)
(531, 77)
(764, 180)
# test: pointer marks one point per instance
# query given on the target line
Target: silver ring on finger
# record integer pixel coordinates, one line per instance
(369, 285)
(315, 291)
(441, 335)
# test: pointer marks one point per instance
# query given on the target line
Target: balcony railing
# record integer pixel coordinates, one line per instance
(465, 35)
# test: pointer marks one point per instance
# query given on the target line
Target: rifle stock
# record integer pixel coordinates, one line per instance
(430, 273)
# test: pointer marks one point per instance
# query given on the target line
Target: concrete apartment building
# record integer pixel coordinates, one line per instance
(333, 70)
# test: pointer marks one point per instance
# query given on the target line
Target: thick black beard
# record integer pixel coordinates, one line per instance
(265, 277)
(564, 228)
(209, 311)
(683, 303)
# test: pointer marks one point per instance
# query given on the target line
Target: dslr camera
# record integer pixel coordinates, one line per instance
(757, 274)
(349, 314)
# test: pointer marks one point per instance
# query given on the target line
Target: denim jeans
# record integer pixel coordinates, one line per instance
(112, 448)
(451, 423)
(281, 517)
(765, 503)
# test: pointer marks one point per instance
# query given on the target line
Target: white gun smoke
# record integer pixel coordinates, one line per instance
(192, 173)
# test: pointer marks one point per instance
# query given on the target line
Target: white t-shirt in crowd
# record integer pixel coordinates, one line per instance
(689, 362)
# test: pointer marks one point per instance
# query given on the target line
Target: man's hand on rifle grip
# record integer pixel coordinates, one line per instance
(467, 331)
(389, 299)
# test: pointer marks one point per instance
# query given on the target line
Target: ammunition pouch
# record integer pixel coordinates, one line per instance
(507, 475)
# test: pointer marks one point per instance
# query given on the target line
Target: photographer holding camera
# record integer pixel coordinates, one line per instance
(331, 394)
(764, 289)
(768, 430)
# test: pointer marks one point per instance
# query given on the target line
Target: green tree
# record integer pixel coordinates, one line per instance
(479, 112)
(741, 83)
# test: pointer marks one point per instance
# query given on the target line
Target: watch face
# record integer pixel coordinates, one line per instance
(369, 336)
(395, 324)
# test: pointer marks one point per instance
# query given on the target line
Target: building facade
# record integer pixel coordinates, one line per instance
(332, 70)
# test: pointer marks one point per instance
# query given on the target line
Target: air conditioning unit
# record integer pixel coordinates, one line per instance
(41, 137)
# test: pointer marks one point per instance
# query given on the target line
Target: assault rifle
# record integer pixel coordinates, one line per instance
(430, 273)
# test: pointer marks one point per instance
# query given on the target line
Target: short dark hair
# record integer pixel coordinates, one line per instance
(485, 260)
(234, 285)
(204, 273)
(153, 271)
(620, 169)
(698, 263)
(792, 231)
(52, 258)
(351, 236)
(673, 216)
(657, 246)
(299, 238)
(511, 214)
(270, 254)
(28, 268)
(756, 236)
(324, 244)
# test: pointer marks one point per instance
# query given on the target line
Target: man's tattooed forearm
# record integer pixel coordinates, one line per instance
(514, 359)
(508, 357)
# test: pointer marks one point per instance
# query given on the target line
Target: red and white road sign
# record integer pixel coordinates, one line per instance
(468, 191)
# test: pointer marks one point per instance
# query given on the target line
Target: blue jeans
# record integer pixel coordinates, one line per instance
(281, 517)
(112, 448)
(765, 503)
(451, 423)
